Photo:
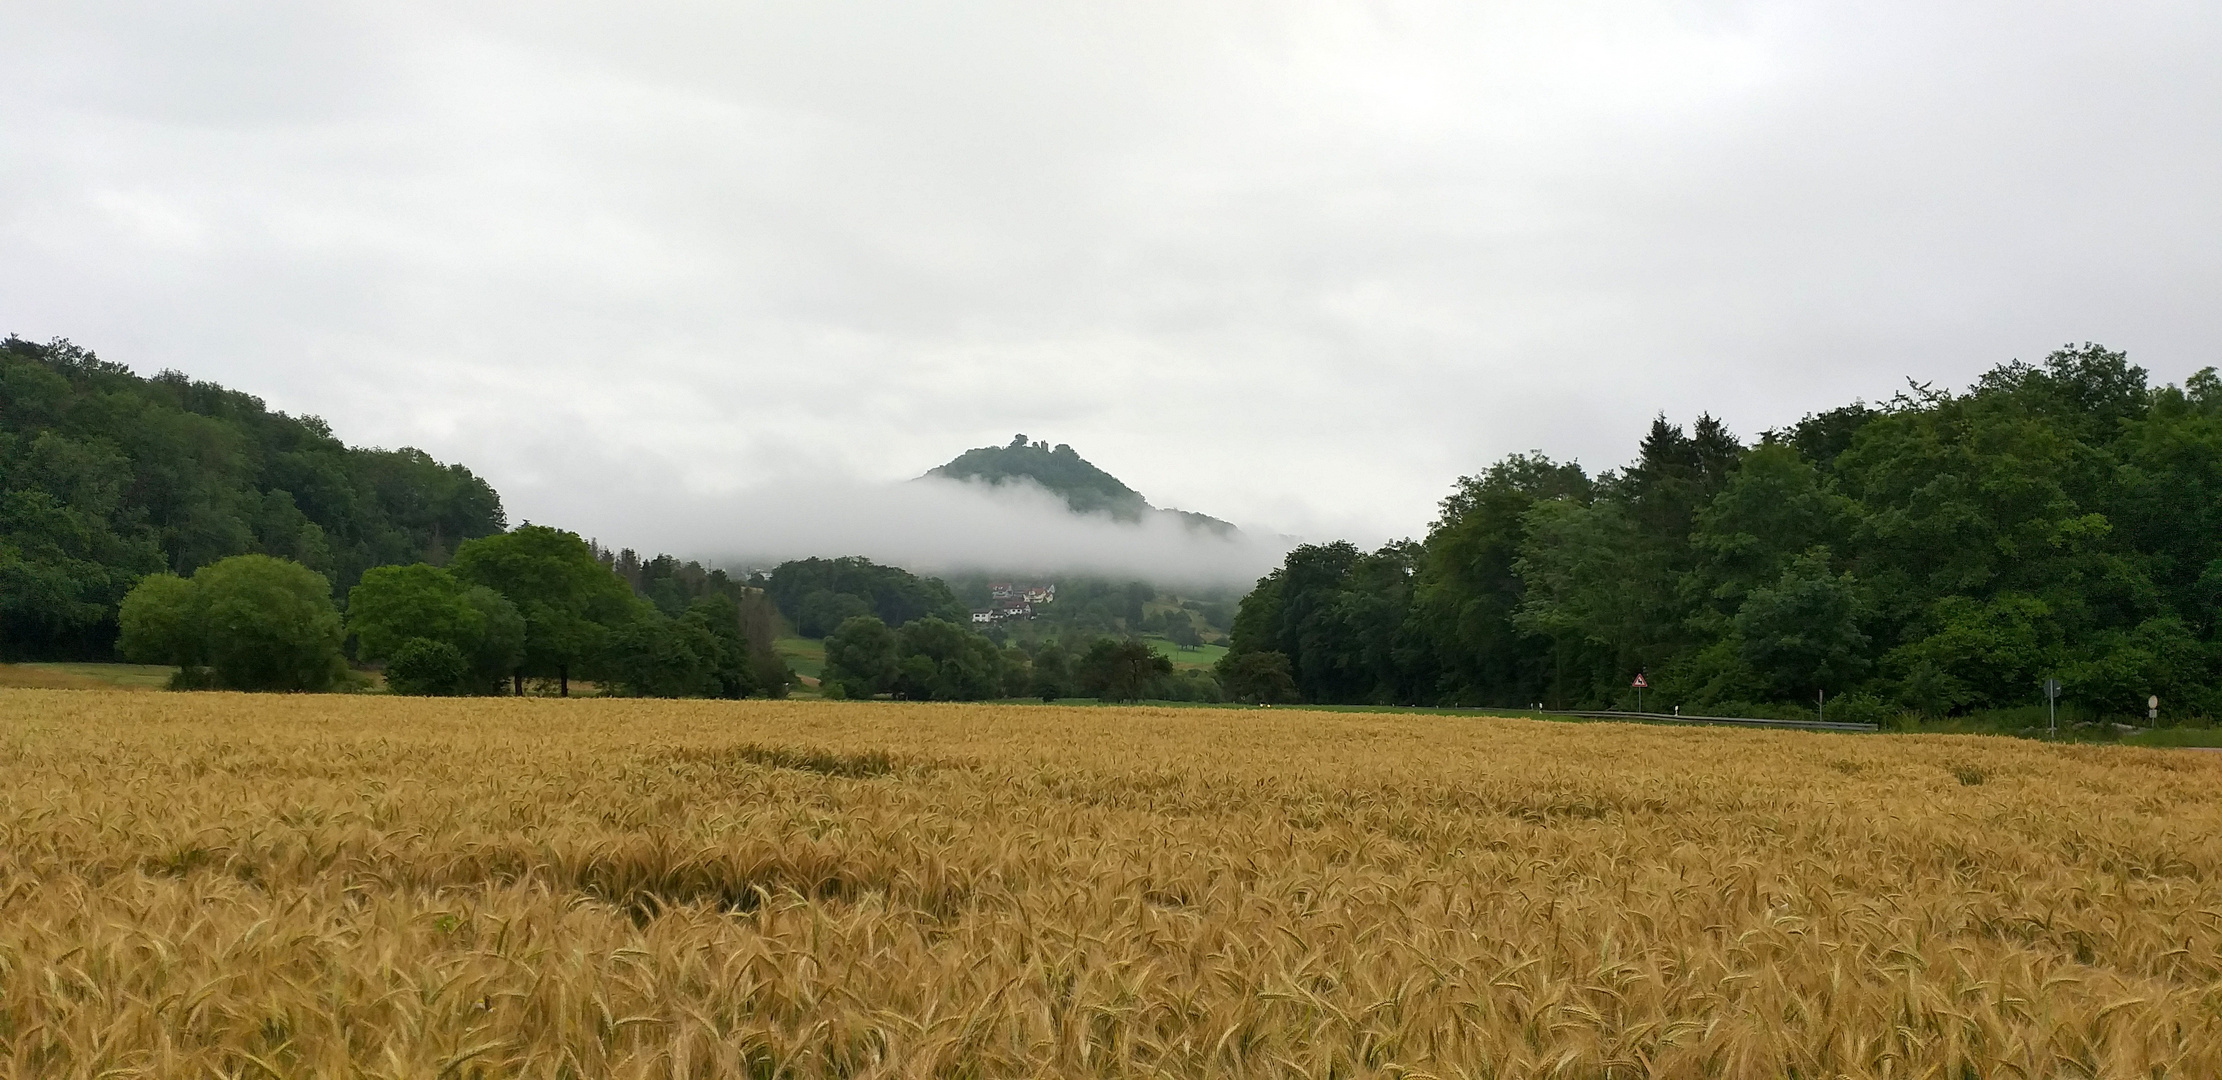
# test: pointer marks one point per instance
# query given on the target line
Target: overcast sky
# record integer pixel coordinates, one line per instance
(1294, 265)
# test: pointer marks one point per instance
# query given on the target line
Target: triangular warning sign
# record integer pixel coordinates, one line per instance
(1639, 683)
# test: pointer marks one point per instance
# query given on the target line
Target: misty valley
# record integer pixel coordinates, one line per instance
(1927, 561)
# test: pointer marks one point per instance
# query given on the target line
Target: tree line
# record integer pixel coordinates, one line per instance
(889, 632)
(1937, 554)
(176, 521)
(816, 595)
(107, 477)
(931, 659)
(532, 603)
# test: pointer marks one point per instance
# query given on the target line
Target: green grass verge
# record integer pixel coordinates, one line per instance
(87, 676)
(2030, 724)
(2176, 736)
(1421, 710)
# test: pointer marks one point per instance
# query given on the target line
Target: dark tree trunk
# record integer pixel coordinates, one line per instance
(517, 682)
(563, 679)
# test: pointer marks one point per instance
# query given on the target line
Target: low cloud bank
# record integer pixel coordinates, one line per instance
(935, 525)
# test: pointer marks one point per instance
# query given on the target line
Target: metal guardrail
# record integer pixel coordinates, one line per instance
(1732, 721)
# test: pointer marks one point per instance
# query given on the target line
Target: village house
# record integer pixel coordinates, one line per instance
(1007, 601)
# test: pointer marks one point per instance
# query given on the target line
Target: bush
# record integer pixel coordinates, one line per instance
(1121, 670)
(270, 625)
(160, 620)
(943, 661)
(824, 610)
(395, 604)
(1861, 709)
(192, 678)
(770, 674)
(1051, 674)
(1191, 685)
(860, 658)
(1756, 710)
(702, 652)
(1262, 678)
(1018, 673)
(254, 621)
(426, 667)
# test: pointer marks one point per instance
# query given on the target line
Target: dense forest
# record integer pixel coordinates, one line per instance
(675, 587)
(106, 477)
(534, 604)
(817, 595)
(1940, 553)
(890, 632)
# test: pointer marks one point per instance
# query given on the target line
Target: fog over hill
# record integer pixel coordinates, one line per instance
(1019, 509)
(1061, 470)
(935, 524)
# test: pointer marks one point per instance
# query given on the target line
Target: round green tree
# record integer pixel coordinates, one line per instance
(942, 661)
(860, 657)
(254, 621)
(160, 622)
(425, 666)
(567, 599)
(269, 624)
(395, 604)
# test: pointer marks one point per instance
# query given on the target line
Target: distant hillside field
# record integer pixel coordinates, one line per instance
(1201, 657)
(338, 885)
(804, 656)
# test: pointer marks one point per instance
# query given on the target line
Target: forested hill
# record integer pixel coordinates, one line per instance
(1940, 553)
(1084, 487)
(106, 477)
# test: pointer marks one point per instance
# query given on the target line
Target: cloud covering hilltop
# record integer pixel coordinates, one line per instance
(1061, 470)
(939, 524)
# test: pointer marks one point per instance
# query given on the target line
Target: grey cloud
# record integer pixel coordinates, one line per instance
(932, 524)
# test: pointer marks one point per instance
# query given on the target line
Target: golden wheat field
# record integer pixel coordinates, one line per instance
(215, 884)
